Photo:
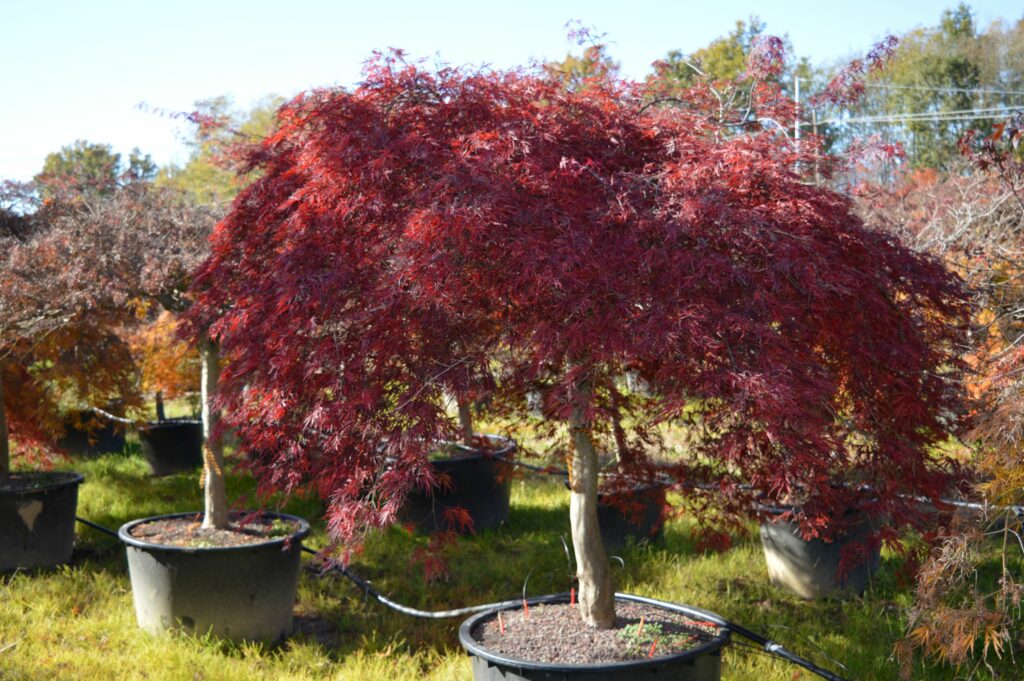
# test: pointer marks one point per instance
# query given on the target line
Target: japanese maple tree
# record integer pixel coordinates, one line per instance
(143, 242)
(57, 333)
(431, 220)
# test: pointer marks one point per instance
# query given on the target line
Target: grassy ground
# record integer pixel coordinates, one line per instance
(77, 622)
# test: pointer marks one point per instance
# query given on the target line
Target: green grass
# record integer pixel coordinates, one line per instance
(77, 622)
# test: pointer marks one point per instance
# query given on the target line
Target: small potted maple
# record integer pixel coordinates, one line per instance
(574, 234)
(230, 573)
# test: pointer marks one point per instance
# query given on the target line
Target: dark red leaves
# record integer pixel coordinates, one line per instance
(430, 233)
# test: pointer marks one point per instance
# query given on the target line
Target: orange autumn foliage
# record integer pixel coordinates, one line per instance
(166, 363)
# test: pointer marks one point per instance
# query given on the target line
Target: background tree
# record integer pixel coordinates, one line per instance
(943, 80)
(593, 64)
(218, 127)
(88, 169)
(169, 368)
(973, 217)
(723, 59)
(573, 233)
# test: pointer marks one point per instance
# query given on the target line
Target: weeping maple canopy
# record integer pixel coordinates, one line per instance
(430, 226)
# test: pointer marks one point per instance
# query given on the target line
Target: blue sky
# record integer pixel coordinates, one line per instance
(78, 69)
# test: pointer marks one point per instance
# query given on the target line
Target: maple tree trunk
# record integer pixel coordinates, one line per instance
(5, 448)
(465, 421)
(597, 597)
(214, 495)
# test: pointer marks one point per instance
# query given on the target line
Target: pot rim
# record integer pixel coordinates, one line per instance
(124, 534)
(170, 423)
(61, 479)
(469, 453)
(473, 647)
(780, 509)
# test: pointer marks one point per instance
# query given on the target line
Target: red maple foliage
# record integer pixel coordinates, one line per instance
(427, 221)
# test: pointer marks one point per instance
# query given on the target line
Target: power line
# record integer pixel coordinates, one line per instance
(930, 116)
(926, 88)
(900, 121)
(927, 114)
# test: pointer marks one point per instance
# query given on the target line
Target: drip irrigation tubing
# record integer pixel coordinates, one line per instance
(959, 503)
(763, 643)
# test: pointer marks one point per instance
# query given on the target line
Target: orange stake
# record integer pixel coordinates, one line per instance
(501, 623)
(654, 645)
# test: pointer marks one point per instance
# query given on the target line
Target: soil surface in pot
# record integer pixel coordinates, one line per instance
(556, 633)
(24, 482)
(189, 532)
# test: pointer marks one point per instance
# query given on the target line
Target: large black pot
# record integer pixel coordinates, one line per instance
(105, 438)
(242, 593)
(810, 568)
(172, 446)
(475, 480)
(37, 519)
(636, 514)
(702, 663)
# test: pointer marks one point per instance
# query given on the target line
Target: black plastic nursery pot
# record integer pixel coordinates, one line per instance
(37, 519)
(636, 514)
(810, 568)
(241, 593)
(106, 438)
(172, 446)
(479, 481)
(700, 663)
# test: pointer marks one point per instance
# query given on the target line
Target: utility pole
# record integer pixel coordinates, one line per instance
(796, 118)
(814, 129)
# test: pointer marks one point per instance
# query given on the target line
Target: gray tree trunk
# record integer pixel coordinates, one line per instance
(465, 421)
(5, 448)
(214, 495)
(597, 595)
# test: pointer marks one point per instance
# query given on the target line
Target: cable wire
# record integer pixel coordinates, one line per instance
(926, 88)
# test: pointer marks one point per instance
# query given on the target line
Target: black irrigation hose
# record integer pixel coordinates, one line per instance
(404, 609)
(546, 470)
(764, 644)
(105, 530)
(978, 506)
